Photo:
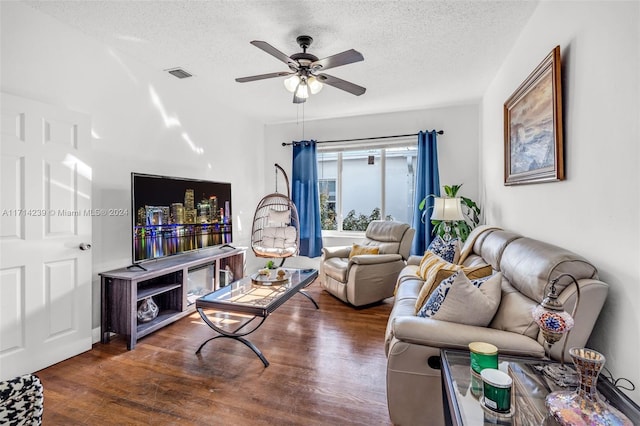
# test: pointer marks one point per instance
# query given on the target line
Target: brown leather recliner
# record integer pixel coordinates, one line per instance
(367, 278)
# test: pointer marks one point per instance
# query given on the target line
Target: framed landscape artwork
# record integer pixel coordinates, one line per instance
(533, 145)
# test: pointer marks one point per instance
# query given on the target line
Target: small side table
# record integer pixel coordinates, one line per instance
(530, 387)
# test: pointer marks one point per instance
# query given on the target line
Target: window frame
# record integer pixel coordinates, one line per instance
(368, 145)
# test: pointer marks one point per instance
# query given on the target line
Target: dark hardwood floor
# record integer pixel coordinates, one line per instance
(327, 367)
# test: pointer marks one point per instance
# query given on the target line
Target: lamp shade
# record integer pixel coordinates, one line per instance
(447, 209)
(292, 82)
(550, 315)
(303, 90)
(314, 85)
(553, 324)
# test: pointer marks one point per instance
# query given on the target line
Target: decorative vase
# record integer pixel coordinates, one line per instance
(147, 310)
(585, 406)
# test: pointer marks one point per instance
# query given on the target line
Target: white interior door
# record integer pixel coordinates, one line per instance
(45, 202)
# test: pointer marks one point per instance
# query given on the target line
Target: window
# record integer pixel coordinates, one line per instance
(328, 203)
(359, 185)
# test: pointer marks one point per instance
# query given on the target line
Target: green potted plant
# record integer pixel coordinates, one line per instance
(461, 228)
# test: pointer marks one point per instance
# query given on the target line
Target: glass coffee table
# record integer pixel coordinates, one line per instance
(462, 392)
(241, 307)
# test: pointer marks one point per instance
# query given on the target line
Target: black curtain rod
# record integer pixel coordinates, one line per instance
(440, 132)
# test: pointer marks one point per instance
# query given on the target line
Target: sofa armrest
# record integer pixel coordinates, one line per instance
(329, 252)
(374, 259)
(414, 260)
(443, 334)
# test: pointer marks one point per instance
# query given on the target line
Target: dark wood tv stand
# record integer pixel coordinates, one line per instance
(166, 281)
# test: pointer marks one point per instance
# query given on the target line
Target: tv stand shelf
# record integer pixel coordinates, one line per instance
(167, 282)
(151, 291)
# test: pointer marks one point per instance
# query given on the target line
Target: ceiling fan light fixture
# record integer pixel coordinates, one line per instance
(292, 83)
(301, 79)
(303, 90)
(314, 85)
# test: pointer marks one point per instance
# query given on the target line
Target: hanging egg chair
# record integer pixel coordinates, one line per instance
(276, 229)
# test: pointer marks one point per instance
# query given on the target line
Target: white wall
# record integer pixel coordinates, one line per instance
(457, 148)
(595, 211)
(142, 119)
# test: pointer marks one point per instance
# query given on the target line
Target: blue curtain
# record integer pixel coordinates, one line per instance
(427, 183)
(305, 196)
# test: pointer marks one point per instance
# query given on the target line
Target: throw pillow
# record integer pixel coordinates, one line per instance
(430, 266)
(429, 261)
(461, 300)
(434, 269)
(279, 217)
(449, 251)
(357, 249)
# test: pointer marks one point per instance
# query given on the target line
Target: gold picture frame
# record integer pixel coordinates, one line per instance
(533, 143)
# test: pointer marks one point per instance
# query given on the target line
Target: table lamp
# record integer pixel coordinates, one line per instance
(447, 210)
(554, 323)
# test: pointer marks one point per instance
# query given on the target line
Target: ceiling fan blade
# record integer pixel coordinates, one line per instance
(341, 84)
(337, 60)
(263, 76)
(275, 53)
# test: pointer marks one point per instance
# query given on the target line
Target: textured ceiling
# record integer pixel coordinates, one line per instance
(417, 53)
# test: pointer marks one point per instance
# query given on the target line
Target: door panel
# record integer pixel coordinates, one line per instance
(12, 314)
(60, 286)
(12, 187)
(60, 199)
(45, 279)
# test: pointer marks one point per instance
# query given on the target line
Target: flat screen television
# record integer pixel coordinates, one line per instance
(172, 215)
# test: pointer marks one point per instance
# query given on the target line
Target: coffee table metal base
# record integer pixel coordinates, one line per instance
(308, 296)
(234, 335)
(239, 335)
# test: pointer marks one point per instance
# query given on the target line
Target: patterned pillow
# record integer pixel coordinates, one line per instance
(433, 303)
(21, 401)
(461, 300)
(449, 251)
(433, 269)
(431, 261)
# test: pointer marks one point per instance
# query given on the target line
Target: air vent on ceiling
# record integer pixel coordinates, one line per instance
(179, 72)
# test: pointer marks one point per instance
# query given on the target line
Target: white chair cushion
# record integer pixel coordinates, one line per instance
(279, 237)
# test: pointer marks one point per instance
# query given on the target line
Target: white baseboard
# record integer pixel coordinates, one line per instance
(95, 335)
